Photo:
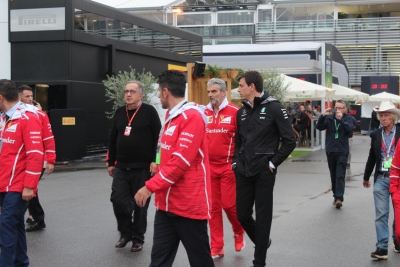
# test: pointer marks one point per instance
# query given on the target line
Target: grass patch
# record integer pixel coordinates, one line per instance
(296, 154)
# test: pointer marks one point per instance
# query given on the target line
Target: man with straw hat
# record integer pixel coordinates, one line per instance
(383, 146)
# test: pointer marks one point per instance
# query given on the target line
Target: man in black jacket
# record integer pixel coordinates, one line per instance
(262, 123)
(302, 121)
(132, 152)
(380, 155)
(339, 128)
(374, 120)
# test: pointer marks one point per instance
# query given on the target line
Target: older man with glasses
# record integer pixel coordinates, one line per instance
(131, 162)
(339, 128)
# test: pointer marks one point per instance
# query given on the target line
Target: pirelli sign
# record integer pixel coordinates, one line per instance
(37, 19)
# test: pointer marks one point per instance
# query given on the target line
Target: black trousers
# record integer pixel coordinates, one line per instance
(337, 167)
(258, 190)
(35, 208)
(169, 230)
(124, 187)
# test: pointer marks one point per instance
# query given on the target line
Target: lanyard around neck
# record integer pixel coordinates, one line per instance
(336, 126)
(134, 114)
(386, 149)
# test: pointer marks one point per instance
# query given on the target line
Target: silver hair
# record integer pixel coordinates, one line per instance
(221, 84)
(342, 102)
(139, 84)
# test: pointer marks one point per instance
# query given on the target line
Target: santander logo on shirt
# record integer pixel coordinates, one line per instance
(222, 130)
(8, 140)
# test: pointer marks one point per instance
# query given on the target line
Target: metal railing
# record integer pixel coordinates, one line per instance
(222, 31)
(150, 38)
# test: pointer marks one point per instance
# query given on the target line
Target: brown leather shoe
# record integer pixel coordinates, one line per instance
(122, 242)
(136, 247)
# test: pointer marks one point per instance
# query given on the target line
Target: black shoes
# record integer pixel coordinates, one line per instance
(136, 247)
(122, 242)
(380, 253)
(36, 226)
(396, 246)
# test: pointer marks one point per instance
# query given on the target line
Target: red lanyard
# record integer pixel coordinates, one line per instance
(134, 114)
(387, 153)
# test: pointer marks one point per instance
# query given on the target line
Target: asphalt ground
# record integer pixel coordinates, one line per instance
(306, 230)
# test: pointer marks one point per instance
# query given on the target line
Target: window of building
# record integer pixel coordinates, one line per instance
(369, 11)
(264, 15)
(293, 13)
(193, 19)
(236, 17)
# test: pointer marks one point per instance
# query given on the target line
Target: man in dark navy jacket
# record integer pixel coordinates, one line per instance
(339, 128)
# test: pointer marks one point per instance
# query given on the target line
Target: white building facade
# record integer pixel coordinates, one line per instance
(367, 33)
(5, 50)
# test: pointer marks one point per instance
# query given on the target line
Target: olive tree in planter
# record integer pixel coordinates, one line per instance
(274, 84)
(115, 87)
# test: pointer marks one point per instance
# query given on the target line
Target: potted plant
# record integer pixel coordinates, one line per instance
(212, 72)
(232, 73)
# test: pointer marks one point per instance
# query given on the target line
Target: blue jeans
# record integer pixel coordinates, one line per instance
(337, 167)
(382, 208)
(12, 230)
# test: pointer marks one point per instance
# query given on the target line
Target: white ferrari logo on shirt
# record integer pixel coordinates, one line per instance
(226, 119)
(170, 130)
(12, 128)
(210, 119)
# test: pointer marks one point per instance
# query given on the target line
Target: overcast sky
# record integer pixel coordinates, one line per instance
(134, 3)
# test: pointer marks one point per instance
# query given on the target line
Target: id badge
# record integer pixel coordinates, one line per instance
(158, 157)
(127, 131)
(336, 135)
(387, 163)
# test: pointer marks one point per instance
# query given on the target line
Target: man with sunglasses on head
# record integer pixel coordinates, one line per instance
(132, 152)
(339, 128)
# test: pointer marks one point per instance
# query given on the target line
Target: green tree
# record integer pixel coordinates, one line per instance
(115, 86)
(274, 84)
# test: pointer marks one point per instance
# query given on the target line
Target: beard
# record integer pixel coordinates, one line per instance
(215, 101)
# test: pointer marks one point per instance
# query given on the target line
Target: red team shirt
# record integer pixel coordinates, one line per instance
(48, 138)
(221, 131)
(182, 182)
(21, 151)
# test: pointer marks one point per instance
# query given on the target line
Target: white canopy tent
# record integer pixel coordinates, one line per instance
(302, 90)
(348, 94)
(384, 97)
(299, 90)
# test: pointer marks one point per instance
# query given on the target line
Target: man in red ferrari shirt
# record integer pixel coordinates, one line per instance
(182, 181)
(21, 165)
(221, 130)
(36, 212)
